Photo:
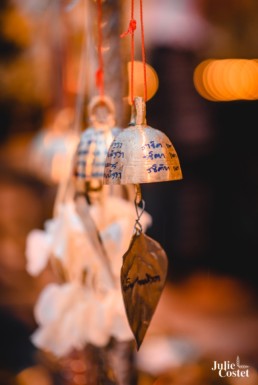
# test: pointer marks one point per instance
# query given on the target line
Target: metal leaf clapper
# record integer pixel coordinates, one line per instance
(143, 276)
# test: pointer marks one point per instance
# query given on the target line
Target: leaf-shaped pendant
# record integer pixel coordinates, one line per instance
(143, 277)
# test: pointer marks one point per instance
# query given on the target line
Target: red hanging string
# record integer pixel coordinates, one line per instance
(100, 70)
(131, 29)
(143, 52)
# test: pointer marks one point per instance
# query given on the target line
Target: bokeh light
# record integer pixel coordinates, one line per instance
(227, 79)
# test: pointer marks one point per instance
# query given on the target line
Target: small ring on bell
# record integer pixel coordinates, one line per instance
(101, 111)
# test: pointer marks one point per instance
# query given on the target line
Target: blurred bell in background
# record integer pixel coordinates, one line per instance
(205, 55)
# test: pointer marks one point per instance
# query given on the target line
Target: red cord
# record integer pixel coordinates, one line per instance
(143, 52)
(100, 70)
(131, 29)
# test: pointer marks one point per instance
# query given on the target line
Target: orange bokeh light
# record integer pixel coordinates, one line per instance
(227, 79)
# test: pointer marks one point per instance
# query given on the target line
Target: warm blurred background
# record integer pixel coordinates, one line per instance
(205, 53)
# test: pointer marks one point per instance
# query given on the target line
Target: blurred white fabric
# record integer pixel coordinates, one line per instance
(70, 316)
(84, 309)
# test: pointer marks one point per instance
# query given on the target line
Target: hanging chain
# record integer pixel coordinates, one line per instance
(139, 204)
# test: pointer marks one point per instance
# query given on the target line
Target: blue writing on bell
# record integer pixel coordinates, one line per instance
(151, 144)
(111, 165)
(157, 168)
(112, 175)
(115, 154)
(151, 155)
(117, 145)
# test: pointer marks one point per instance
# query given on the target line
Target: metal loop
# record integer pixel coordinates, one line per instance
(138, 194)
(101, 111)
(139, 211)
(140, 108)
(138, 227)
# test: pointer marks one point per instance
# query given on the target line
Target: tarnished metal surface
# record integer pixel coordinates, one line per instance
(143, 277)
(141, 154)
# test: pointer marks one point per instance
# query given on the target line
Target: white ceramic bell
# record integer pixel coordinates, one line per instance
(141, 154)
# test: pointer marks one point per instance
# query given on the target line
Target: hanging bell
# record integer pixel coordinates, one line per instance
(141, 154)
(90, 156)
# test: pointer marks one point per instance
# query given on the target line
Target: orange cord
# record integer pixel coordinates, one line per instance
(143, 52)
(100, 70)
(131, 29)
